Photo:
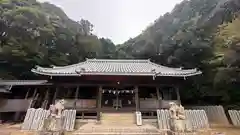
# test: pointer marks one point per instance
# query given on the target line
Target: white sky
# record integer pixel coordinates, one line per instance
(117, 20)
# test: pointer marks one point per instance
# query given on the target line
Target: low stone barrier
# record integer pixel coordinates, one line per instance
(195, 120)
(235, 117)
(35, 117)
(215, 114)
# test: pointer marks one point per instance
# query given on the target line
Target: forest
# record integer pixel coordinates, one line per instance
(201, 34)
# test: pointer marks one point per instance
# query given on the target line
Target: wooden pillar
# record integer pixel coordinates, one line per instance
(137, 102)
(26, 97)
(68, 93)
(45, 100)
(99, 103)
(35, 93)
(158, 98)
(55, 95)
(33, 100)
(158, 94)
(178, 94)
(17, 114)
(76, 97)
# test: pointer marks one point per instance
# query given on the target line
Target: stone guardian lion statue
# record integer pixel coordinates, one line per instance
(57, 109)
(177, 117)
(55, 118)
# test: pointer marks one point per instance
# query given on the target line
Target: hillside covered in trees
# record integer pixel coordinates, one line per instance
(34, 33)
(196, 33)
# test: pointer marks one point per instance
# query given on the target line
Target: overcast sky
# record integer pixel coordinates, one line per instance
(117, 20)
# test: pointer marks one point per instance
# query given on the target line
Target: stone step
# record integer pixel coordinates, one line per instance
(114, 131)
(118, 118)
(107, 133)
(102, 129)
(117, 114)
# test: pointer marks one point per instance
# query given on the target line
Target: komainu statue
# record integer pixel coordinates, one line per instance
(57, 109)
(177, 117)
(55, 119)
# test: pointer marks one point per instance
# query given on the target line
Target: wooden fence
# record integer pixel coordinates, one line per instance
(235, 117)
(35, 117)
(215, 114)
(195, 120)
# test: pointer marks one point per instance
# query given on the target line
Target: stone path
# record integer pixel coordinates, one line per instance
(93, 128)
(8, 129)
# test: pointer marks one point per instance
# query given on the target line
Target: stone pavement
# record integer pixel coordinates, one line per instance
(9, 129)
(94, 128)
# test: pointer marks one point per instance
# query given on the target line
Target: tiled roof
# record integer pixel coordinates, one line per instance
(115, 67)
(22, 82)
(2, 90)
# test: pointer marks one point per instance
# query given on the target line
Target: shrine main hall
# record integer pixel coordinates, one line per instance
(96, 86)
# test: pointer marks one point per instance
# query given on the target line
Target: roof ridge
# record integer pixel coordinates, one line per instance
(117, 60)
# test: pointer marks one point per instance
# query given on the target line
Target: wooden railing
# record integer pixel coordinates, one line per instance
(80, 103)
(86, 103)
(144, 103)
(154, 103)
(14, 105)
(149, 103)
(165, 103)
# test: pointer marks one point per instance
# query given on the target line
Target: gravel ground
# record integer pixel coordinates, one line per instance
(14, 129)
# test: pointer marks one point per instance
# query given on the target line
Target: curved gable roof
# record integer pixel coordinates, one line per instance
(116, 67)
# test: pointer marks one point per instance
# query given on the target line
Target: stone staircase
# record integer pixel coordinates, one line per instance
(115, 124)
(118, 119)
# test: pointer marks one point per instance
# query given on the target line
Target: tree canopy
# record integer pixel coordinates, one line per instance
(201, 34)
(34, 33)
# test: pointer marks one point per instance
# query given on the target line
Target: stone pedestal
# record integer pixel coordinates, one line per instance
(52, 126)
(51, 133)
(178, 126)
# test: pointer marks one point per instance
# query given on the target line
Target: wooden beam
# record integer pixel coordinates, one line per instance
(99, 103)
(137, 99)
(111, 84)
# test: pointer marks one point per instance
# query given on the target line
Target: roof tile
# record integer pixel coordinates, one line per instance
(115, 67)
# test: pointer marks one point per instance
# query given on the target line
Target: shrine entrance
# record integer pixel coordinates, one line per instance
(118, 100)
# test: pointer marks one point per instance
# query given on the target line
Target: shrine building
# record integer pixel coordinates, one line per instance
(96, 86)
